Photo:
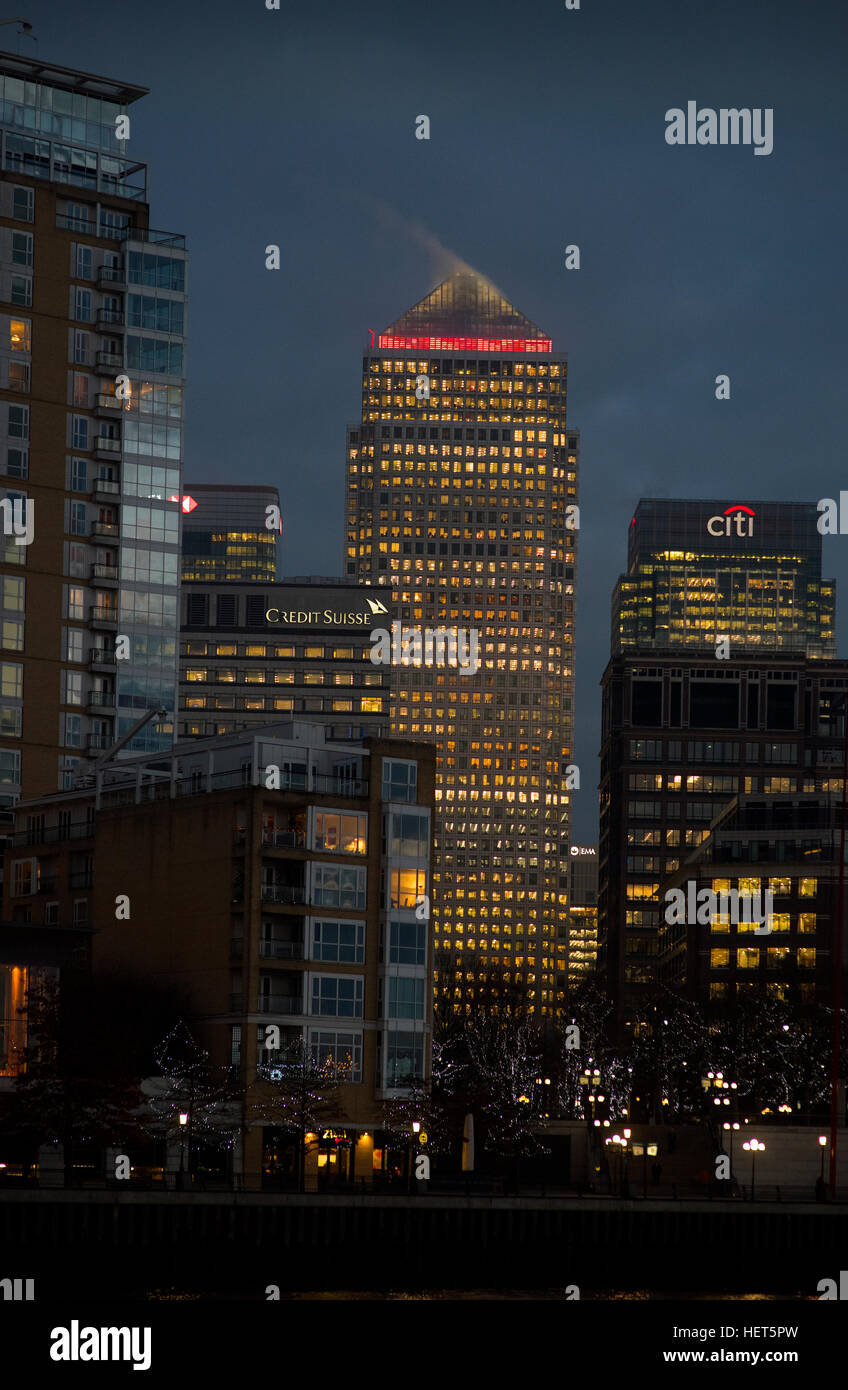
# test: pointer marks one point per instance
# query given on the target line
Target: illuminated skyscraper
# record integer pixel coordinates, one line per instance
(226, 535)
(698, 570)
(687, 723)
(460, 479)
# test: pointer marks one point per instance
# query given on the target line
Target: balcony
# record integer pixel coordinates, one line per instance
(103, 619)
(106, 448)
(149, 234)
(101, 659)
(338, 786)
(107, 320)
(280, 1004)
(105, 576)
(282, 895)
(51, 834)
(98, 743)
(107, 363)
(282, 950)
(111, 277)
(107, 407)
(105, 530)
(106, 489)
(284, 839)
(99, 700)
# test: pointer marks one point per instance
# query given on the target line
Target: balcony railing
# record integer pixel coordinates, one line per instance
(339, 786)
(109, 572)
(98, 743)
(50, 834)
(108, 486)
(280, 1004)
(107, 361)
(101, 656)
(110, 316)
(112, 275)
(282, 950)
(105, 528)
(106, 444)
(284, 839)
(150, 234)
(106, 616)
(285, 895)
(103, 699)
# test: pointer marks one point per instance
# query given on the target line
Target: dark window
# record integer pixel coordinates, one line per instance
(647, 704)
(714, 705)
(227, 607)
(753, 706)
(780, 706)
(197, 610)
(255, 610)
(675, 704)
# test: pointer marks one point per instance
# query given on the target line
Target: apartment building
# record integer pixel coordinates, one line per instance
(278, 877)
(92, 375)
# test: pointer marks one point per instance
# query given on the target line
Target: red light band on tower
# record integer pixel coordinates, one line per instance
(385, 340)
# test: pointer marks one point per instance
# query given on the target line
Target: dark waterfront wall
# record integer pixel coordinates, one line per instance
(108, 1245)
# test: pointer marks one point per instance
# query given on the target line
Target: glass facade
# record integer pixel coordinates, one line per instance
(700, 570)
(226, 538)
(460, 478)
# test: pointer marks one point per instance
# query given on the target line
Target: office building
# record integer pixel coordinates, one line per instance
(699, 570)
(785, 845)
(275, 876)
(91, 409)
(299, 649)
(230, 534)
(682, 736)
(462, 487)
(582, 922)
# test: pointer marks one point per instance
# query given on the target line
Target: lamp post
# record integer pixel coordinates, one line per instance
(184, 1133)
(755, 1147)
(415, 1129)
(823, 1146)
(731, 1128)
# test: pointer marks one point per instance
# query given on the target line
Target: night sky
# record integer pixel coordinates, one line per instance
(547, 128)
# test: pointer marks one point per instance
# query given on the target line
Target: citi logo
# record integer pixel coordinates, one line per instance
(738, 515)
(77, 1343)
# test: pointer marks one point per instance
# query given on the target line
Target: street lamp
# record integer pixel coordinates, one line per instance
(184, 1119)
(415, 1128)
(754, 1146)
(823, 1146)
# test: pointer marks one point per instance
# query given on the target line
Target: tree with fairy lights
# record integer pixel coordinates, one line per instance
(191, 1098)
(90, 1042)
(503, 1066)
(669, 1055)
(298, 1091)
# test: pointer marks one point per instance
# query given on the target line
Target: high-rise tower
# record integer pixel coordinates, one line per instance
(750, 571)
(91, 409)
(462, 488)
